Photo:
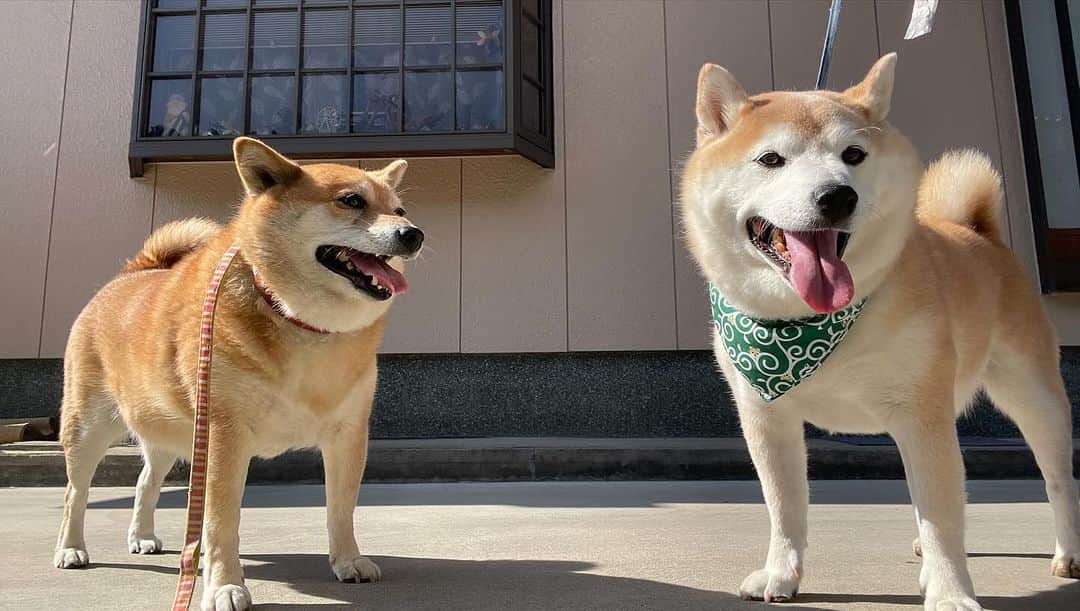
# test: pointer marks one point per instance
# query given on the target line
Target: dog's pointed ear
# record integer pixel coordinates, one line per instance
(874, 93)
(395, 172)
(261, 167)
(719, 99)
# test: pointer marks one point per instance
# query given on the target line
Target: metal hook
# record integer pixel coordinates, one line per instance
(830, 40)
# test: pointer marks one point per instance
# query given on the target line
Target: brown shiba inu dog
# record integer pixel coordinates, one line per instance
(299, 317)
(809, 206)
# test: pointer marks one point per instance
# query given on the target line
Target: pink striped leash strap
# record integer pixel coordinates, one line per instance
(189, 557)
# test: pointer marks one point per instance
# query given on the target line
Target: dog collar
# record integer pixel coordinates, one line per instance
(774, 356)
(276, 305)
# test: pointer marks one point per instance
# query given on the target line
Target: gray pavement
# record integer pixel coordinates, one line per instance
(543, 545)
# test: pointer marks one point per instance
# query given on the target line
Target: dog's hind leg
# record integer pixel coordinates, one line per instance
(935, 473)
(156, 465)
(89, 424)
(1028, 388)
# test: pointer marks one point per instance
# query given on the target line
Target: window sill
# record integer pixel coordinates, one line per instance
(141, 152)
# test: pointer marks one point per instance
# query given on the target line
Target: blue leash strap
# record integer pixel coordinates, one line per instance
(830, 41)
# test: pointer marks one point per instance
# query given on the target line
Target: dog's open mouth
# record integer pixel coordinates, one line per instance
(369, 273)
(811, 261)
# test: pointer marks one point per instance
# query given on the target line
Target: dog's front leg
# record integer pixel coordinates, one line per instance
(935, 475)
(344, 458)
(223, 578)
(778, 450)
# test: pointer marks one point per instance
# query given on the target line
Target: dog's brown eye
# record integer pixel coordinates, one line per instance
(400, 212)
(353, 200)
(853, 155)
(770, 160)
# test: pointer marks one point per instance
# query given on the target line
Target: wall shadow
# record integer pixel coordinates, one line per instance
(1010, 555)
(579, 494)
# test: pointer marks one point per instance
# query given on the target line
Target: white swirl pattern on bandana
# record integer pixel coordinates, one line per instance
(774, 356)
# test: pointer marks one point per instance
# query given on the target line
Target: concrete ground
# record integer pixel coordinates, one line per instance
(544, 545)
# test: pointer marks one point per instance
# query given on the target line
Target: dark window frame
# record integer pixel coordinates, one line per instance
(535, 144)
(1052, 265)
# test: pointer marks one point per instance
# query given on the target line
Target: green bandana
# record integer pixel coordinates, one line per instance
(776, 355)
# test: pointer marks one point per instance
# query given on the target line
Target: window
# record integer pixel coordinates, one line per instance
(1043, 39)
(344, 78)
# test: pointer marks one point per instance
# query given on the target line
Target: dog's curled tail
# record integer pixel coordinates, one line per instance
(172, 242)
(963, 187)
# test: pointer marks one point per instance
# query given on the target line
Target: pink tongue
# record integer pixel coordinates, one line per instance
(818, 275)
(376, 267)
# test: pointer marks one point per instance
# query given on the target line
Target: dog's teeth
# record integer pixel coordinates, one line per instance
(349, 266)
(342, 256)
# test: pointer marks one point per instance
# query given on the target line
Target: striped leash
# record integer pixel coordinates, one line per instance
(189, 557)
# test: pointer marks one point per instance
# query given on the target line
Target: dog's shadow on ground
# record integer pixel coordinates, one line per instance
(440, 583)
(430, 583)
(1063, 598)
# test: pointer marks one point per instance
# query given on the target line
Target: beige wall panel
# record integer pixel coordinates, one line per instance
(513, 256)
(1018, 213)
(426, 319)
(798, 31)
(620, 281)
(734, 34)
(943, 97)
(33, 43)
(101, 216)
(1064, 312)
(185, 190)
(513, 259)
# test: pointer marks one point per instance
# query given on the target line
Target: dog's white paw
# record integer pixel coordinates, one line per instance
(943, 594)
(229, 597)
(769, 586)
(356, 569)
(1066, 565)
(916, 546)
(144, 545)
(71, 558)
(952, 603)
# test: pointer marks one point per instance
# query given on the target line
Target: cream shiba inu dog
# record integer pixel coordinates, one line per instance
(804, 207)
(299, 317)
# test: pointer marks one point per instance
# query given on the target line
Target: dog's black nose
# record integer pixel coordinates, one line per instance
(837, 202)
(411, 238)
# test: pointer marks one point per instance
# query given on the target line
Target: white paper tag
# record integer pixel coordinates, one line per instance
(922, 18)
